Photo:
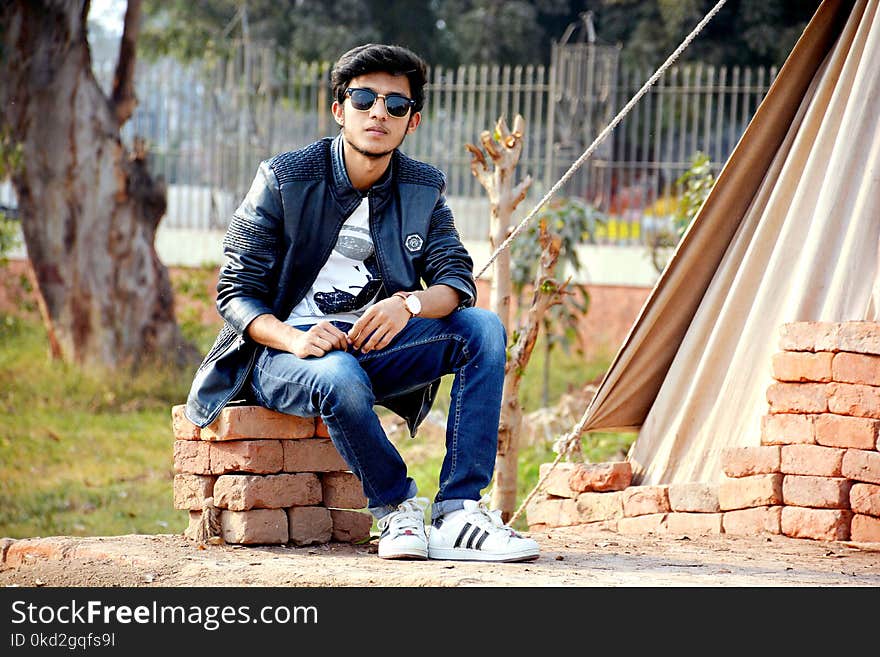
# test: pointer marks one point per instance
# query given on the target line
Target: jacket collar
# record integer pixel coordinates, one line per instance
(346, 193)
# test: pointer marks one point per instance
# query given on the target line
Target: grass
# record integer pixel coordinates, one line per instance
(82, 452)
(89, 453)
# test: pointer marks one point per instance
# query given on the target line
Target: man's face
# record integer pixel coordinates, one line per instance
(374, 132)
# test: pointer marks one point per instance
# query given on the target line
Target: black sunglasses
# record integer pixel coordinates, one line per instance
(396, 105)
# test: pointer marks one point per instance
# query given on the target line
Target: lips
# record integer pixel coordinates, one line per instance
(376, 130)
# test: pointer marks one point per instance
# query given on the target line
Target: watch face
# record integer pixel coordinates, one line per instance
(413, 304)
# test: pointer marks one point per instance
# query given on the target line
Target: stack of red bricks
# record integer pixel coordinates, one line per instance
(274, 478)
(816, 473)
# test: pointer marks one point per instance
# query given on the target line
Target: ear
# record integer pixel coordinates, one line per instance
(414, 121)
(338, 112)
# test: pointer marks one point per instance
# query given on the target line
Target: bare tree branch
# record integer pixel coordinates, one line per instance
(123, 97)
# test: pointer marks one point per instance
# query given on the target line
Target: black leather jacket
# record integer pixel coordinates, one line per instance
(284, 231)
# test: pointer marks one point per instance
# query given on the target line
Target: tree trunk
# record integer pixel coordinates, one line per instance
(89, 208)
(547, 293)
(503, 148)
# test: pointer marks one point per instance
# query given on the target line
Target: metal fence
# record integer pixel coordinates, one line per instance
(207, 127)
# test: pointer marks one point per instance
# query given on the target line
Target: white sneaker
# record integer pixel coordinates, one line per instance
(403, 531)
(476, 534)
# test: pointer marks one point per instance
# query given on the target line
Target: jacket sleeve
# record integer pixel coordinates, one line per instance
(246, 283)
(446, 260)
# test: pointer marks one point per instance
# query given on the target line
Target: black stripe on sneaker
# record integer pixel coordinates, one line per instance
(461, 534)
(482, 538)
(473, 535)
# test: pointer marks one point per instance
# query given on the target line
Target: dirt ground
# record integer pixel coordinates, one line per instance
(598, 558)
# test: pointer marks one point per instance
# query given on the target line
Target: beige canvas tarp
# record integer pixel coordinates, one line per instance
(790, 232)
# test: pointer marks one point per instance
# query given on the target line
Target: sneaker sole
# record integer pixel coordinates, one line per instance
(403, 554)
(464, 554)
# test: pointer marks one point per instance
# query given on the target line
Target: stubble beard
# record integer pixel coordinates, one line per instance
(374, 155)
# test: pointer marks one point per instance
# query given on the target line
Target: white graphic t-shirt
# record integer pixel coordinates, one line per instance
(349, 281)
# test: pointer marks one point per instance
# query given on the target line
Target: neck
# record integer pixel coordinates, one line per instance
(363, 170)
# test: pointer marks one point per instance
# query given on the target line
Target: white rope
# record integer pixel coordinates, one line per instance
(574, 434)
(604, 134)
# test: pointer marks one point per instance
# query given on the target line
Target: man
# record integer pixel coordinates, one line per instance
(326, 314)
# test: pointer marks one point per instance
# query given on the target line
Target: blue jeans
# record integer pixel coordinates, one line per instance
(343, 386)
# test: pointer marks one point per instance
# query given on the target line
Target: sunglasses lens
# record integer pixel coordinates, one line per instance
(362, 99)
(397, 105)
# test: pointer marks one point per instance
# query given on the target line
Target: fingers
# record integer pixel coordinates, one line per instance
(334, 337)
(379, 339)
(318, 340)
(377, 327)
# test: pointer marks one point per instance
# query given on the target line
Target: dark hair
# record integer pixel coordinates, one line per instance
(373, 57)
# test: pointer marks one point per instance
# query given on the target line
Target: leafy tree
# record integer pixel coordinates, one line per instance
(504, 31)
(444, 32)
(307, 30)
(575, 223)
(744, 32)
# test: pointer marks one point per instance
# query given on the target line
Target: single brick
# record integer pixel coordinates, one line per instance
(592, 506)
(309, 525)
(811, 460)
(694, 523)
(600, 477)
(846, 431)
(321, 429)
(254, 527)
(865, 499)
(856, 368)
(252, 456)
(645, 500)
(350, 526)
(859, 337)
(552, 511)
(865, 529)
(854, 399)
(808, 336)
(256, 422)
(693, 497)
(751, 460)
(28, 550)
(343, 490)
(654, 523)
(757, 520)
(181, 427)
(745, 492)
(314, 455)
(797, 397)
(818, 524)
(191, 490)
(861, 465)
(556, 483)
(787, 429)
(239, 492)
(192, 456)
(801, 366)
(816, 492)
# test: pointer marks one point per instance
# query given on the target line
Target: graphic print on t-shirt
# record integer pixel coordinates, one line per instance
(350, 279)
(355, 244)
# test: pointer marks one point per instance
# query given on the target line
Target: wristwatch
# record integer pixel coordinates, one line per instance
(411, 301)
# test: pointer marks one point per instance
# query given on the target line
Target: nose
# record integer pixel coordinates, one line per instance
(378, 110)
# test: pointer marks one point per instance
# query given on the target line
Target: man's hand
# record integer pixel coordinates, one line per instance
(378, 325)
(318, 340)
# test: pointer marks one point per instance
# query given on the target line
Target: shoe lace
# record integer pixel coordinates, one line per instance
(410, 514)
(489, 519)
